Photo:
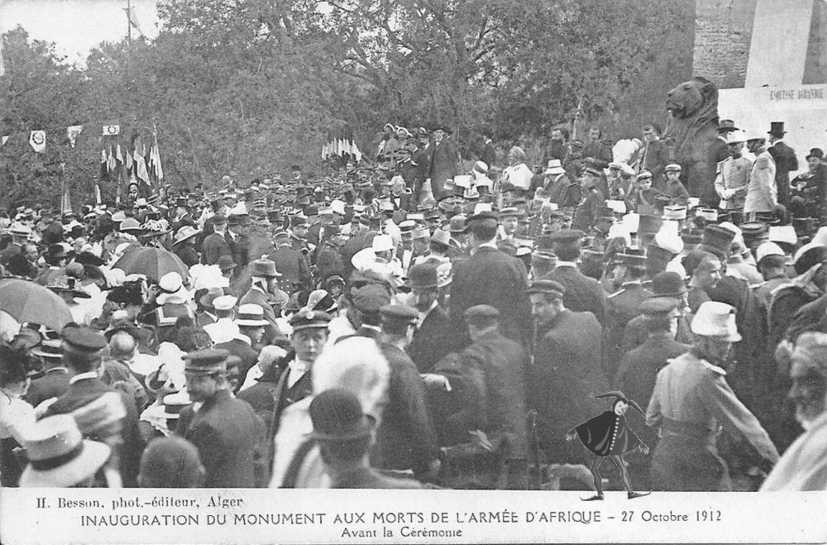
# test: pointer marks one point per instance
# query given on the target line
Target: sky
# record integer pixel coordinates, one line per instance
(77, 26)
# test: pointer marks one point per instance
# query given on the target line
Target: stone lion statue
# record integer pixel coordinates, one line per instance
(692, 132)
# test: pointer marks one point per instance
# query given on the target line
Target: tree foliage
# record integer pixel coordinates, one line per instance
(247, 87)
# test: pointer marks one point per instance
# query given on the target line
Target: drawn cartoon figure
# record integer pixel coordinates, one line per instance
(608, 434)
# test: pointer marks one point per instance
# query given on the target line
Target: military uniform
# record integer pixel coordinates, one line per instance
(690, 402)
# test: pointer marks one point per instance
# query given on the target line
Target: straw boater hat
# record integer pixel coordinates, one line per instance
(250, 315)
(172, 289)
(58, 455)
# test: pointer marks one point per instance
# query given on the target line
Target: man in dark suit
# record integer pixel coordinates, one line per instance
(55, 379)
(238, 241)
(291, 263)
(344, 435)
(664, 284)
(251, 323)
(638, 371)
(582, 294)
(92, 402)
(434, 336)
(264, 292)
(487, 380)
(215, 244)
(623, 306)
(405, 440)
(444, 158)
(490, 277)
(785, 161)
(566, 371)
(295, 382)
(225, 430)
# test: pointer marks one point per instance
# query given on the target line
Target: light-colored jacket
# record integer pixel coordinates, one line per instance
(731, 182)
(804, 464)
(762, 193)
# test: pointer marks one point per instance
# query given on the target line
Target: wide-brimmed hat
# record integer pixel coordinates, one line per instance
(736, 136)
(58, 455)
(715, 319)
(67, 284)
(184, 233)
(337, 415)
(130, 225)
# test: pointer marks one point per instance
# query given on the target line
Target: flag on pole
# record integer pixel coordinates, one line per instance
(3, 140)
(155, 159)
(133, 20)
(37, 140)
(72, 133)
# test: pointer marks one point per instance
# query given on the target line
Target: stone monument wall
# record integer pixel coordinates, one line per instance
(723, 32)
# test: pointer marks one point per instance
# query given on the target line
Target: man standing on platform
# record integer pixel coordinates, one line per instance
(785, 160)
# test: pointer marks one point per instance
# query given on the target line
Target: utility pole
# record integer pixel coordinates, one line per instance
(129, 23)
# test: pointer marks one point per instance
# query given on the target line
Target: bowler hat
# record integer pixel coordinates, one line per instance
(337, 416)
(815, 153)
(370, 298)
(422, 276)
(668, 284)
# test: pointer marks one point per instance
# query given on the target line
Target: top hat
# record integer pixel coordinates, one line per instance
(777, 128)
(337, 416)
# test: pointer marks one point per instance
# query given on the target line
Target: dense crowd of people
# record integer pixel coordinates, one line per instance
(432, 322)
